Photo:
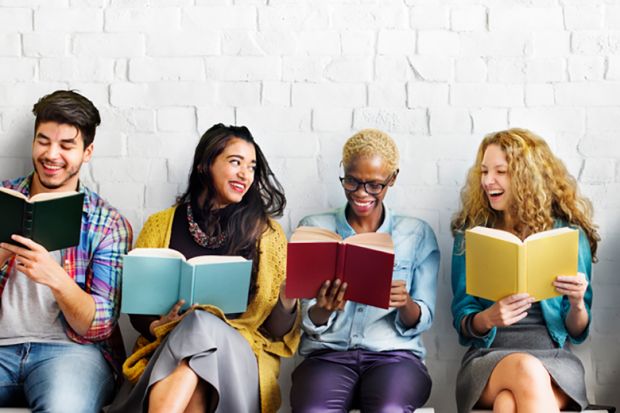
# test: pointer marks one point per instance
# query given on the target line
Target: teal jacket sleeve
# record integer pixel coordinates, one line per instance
(464, 304)
(584, 265)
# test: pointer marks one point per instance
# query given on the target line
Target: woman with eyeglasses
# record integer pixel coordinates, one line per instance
(359, 356)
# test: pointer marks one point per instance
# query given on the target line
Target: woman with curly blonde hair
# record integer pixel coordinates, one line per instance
(517, 360)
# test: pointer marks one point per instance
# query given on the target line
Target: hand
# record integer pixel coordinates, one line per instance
(399, 296)
(36, 262)
(5, 255)
(287, 303)
(573, 287)
(173, 314)
(330, 298)
(506, 311)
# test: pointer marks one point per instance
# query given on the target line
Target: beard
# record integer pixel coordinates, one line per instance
(50, 185)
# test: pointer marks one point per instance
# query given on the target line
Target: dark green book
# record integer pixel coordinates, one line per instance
(52, 219)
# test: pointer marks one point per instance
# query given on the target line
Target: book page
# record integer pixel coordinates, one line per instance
(156, 252)
(14, 193)
(374, 240)
(215, 259)
(44, 196)
(496, 233)
(550, 233)
(314, 234)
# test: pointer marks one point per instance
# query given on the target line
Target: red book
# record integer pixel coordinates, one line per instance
(364, 261)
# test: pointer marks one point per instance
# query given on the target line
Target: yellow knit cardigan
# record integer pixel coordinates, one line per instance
(271, 273)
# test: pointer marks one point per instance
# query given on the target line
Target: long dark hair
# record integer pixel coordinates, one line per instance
(243, 222)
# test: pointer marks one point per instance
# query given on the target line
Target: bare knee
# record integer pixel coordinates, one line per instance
(505, 402)
(529, 374)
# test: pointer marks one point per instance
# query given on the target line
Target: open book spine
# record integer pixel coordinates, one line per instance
(27, 220)
(522, 269)
(340, 260)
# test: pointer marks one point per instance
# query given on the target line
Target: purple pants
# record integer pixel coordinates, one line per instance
(336, 381)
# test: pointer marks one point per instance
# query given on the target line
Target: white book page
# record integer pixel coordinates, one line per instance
(549, 233)
(215, 259)
(13, 193)
(314, 234)
(496, 233)
(156, 252)
(374, 240)
(44, 196)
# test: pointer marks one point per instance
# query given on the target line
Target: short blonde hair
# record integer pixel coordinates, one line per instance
(371, 142)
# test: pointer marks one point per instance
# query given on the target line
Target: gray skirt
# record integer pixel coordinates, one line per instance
(529, 336)
(215, 351)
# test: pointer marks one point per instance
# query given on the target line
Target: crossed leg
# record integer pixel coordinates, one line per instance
(520, 383)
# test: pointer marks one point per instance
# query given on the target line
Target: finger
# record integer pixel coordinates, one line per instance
(397, 283)
(341, 291)
(516, 318)
(15, 249)
(176, 308)
(323, 290)
(28, 243)
(570, 287)
(569, 293)
(516, 305)
(514, 298)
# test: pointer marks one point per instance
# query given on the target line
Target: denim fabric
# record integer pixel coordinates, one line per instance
(55, 377)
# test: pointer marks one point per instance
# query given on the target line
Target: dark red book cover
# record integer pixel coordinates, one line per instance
(367, 271)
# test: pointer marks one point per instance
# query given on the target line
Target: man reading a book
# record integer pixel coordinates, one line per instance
(59, 309)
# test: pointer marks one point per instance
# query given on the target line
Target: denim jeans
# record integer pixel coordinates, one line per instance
(55, 377)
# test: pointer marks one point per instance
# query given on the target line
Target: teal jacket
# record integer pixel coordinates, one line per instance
(554, 309)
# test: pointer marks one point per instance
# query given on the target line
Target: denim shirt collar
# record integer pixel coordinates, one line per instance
(346, 230)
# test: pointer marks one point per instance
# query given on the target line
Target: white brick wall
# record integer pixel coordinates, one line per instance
(303, 75)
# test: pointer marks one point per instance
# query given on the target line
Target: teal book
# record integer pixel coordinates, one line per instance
(52, 219)
(154, 279)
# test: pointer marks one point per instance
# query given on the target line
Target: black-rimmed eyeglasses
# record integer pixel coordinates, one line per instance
(351, 184)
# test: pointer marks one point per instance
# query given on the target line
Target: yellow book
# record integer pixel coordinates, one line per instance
(498, 263)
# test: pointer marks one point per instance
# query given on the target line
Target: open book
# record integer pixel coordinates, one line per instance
(52, 219)
(154, 279)
(499, 264)
(364, 261)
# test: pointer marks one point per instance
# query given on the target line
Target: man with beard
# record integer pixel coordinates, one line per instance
(59, 309)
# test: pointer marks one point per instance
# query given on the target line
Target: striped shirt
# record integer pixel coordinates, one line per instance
(95, 265)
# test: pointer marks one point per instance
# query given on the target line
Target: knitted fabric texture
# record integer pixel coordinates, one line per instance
(271, 273)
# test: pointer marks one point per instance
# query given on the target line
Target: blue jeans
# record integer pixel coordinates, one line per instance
(55, 377)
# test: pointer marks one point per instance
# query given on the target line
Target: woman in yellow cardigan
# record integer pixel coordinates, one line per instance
(204, 360)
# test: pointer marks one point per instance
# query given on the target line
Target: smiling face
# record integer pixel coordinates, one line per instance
(367, 169)
(232, 172)
(57, 155)
(495, 179)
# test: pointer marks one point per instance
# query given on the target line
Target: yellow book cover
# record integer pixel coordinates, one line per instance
(498, 263)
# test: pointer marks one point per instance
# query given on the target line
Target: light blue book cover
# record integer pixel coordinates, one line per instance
(154, 279)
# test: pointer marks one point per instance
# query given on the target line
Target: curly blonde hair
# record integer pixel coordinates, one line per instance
(371, 142)
(541, 186)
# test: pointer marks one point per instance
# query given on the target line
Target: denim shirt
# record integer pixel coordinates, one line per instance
(554, 309)
(360, 326)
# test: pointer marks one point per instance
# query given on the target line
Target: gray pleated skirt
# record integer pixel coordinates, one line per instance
(530, 336)
(215, 351)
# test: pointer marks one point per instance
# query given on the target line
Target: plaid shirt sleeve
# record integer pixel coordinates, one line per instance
(103, 278)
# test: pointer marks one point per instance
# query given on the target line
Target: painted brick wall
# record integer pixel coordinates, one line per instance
(304, 75)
